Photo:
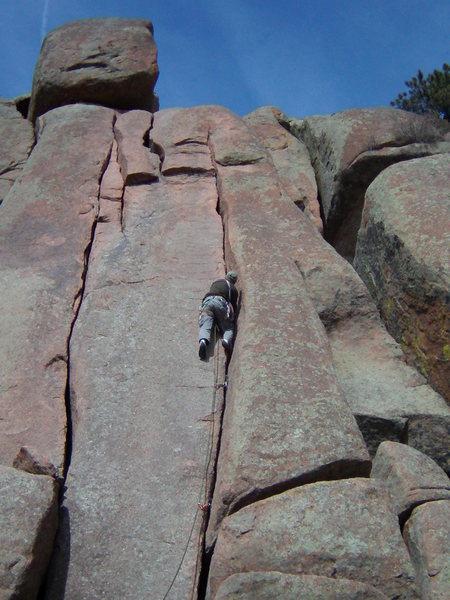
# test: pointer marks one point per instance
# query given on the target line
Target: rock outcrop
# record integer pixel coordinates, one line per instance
(389, 399)
(403, 255)
(46, 230)
(112, 62)
(349, 149)
(243, 477)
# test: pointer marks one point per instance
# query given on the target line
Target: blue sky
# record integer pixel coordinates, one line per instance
(304, 56)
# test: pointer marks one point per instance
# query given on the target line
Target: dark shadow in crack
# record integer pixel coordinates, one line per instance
(54, 583)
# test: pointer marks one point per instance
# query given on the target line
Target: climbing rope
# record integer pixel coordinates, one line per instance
(203, 495)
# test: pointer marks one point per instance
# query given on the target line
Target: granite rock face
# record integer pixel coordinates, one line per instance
(45, 230)
(17, 138)
(291, 160)
(283, 401)
(431, 435)
(389, 398)
(28, 523)
(308, 531)
(403, 255)
(349, 149)
(140, 412)
(239, 477)
(111, 61)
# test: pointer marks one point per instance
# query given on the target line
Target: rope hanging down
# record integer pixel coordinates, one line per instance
(203, 495)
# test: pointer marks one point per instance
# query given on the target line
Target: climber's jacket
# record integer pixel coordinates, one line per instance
(225, 289)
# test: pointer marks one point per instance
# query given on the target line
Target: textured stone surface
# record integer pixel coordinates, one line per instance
(45, 229)
(309, 531)
(17, 141)
(431, 435)
(268, 586)
(403, 255)
(427, 534)
(137, 163)
(28, 522)
(412, 477)
(111, 61)
(185, 142)
(291, 159)
(382, 390)
(141, 400)
(109, 241)
(286, 420)
(350, 148)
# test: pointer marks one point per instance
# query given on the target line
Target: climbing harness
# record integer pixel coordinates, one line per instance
(204, 505)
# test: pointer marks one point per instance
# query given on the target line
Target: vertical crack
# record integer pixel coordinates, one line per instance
(76, 305)
(205, 561)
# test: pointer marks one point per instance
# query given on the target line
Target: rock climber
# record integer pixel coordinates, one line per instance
(218, 307)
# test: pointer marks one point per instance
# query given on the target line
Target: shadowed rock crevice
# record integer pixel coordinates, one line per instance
(154, 147)
(22, 104)
(332, 472)
(78, 299)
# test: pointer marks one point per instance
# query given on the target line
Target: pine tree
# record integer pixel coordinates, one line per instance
(425, 94)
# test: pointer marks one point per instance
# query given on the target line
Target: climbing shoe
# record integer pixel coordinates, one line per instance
(202, 349)
(226, 346)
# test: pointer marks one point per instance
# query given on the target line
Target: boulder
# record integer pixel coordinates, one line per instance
(291, 160)
(286, 420)
(350, 148)
(17, 136)
(112, 62)
(403, 256)
(307, 531)
(412, 477)
(28, 523)
(427, 534)
(269, 585)
(45, 230)
(144, 407)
